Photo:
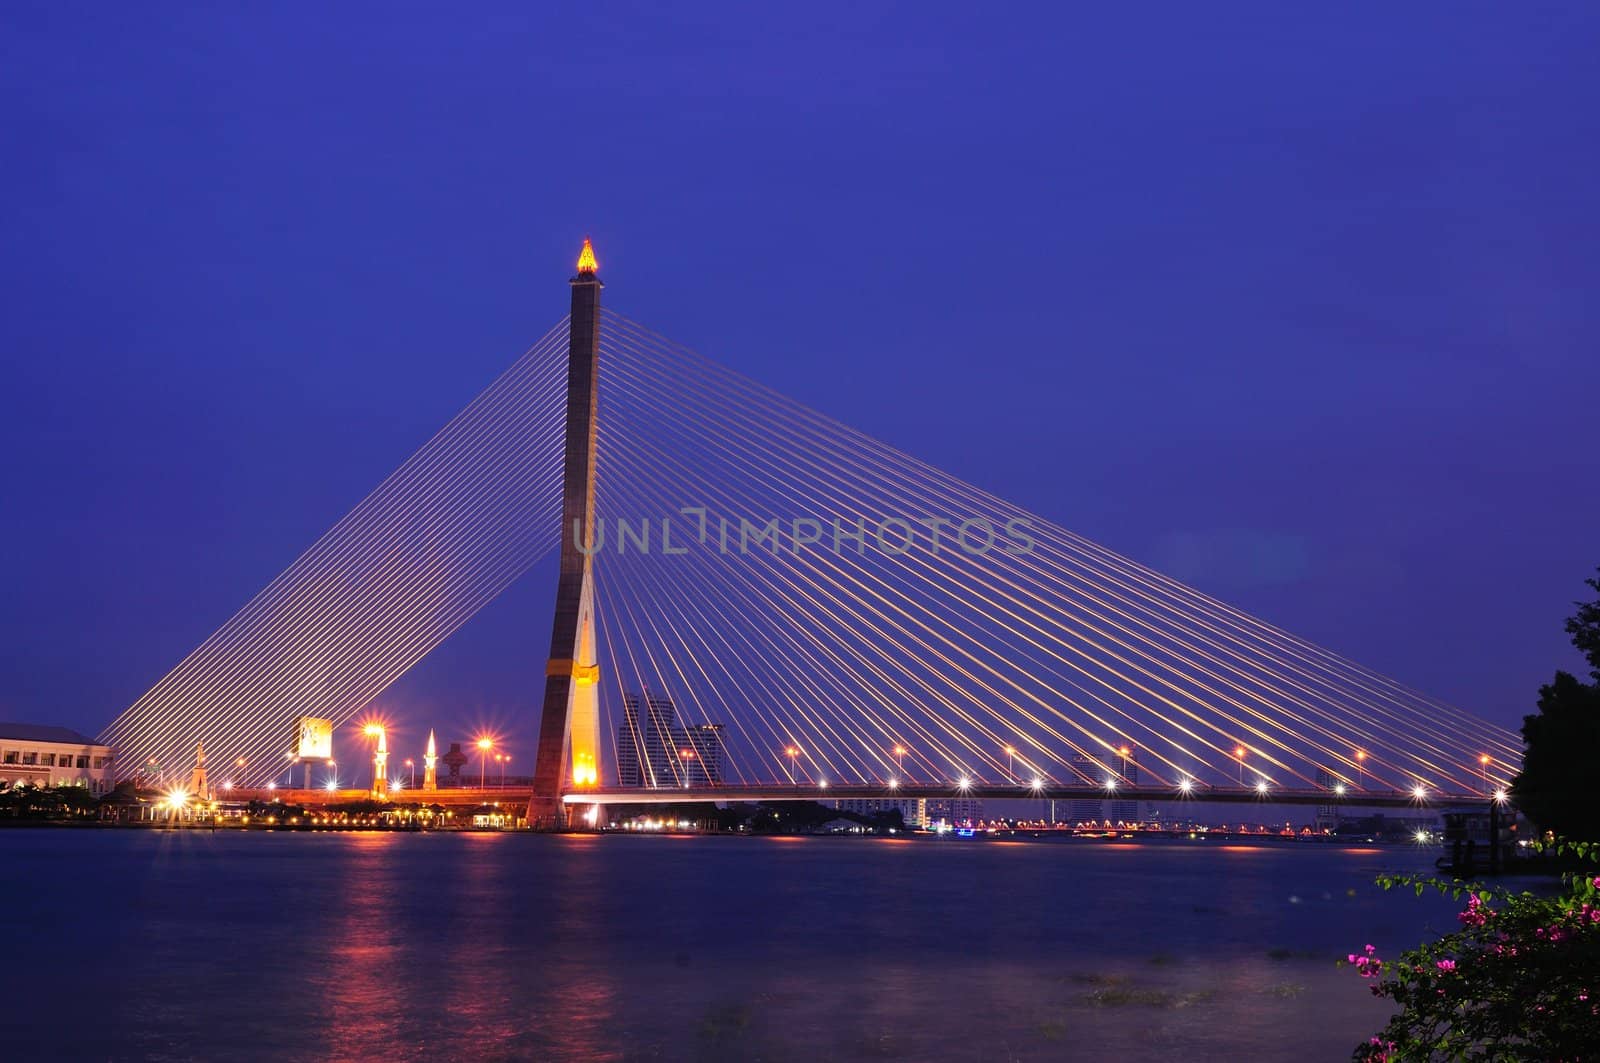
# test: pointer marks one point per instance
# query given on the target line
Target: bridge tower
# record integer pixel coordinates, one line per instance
(569, 722)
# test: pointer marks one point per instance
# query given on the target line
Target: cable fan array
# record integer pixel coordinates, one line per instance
(845, 612)
(851, 615)
(440, 538)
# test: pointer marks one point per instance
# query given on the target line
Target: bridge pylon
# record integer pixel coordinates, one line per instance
(569, 722)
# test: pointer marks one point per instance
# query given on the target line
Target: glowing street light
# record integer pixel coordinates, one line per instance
(1124, 752)
(484, 745)
(1339, 788)
(1419, 792)
(1111, 783)
(411, 766)
(293, 759)
(1501, 796)
(1186, 785)
(1261, 787)
(1238, 755)
(1361, 762)
(1011, 756)
(894, 783)
(333, 775)
(900, 759)
(793, 753)
(1038, 784)
(1483, 762)
(964, 784)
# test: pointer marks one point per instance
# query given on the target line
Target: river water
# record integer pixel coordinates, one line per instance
(128, 944)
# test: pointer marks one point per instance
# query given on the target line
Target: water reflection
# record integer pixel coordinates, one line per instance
(490, 946)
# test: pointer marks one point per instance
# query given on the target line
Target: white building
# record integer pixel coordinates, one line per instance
(39, 755)
(913, 810)
(953, 811)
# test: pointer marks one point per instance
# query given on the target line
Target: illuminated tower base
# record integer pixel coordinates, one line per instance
(430, 765)
(380, 766)
(198, 787)
(569, 723)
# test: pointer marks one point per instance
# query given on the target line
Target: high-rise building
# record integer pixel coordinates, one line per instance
(1125, 810)
(655, 752)
(1084, 809)
(1327, 815)
(704, 741)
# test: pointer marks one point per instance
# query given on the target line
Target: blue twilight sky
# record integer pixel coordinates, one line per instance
(1294, 302)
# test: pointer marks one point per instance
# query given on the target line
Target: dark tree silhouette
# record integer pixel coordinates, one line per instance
(1557, 786)
(1584, 627)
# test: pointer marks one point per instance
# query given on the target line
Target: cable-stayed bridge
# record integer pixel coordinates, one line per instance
(757, 601)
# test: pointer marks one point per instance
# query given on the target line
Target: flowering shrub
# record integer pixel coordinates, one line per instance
(1519, 980)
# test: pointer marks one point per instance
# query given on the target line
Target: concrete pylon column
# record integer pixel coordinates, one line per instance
(569, 722)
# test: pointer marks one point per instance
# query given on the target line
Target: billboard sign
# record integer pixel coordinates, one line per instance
(313, 738)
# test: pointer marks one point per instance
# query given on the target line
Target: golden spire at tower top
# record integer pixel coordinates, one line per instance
(586, 262)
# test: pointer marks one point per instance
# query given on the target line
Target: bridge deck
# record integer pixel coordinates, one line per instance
(991, 791)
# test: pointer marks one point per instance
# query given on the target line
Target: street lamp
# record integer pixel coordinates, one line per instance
(1238, 754)
(1483, 761)
(1011, 770)
(792, 752)
(293, 759)
(1361, 762)
(411, 766)
(1125, 751)
(484, 745)
(333, 774)
(900, 759)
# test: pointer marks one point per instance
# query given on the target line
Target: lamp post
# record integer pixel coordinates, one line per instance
(1238, 754)
(333, 774)
(411, 766)
(900, 759)
(1011, 767)
(1483, 762)
(1361, 763)
(1124, 752)
(484, 745)
(792, 752)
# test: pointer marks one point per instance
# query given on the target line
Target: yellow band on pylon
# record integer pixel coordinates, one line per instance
(582, 673)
